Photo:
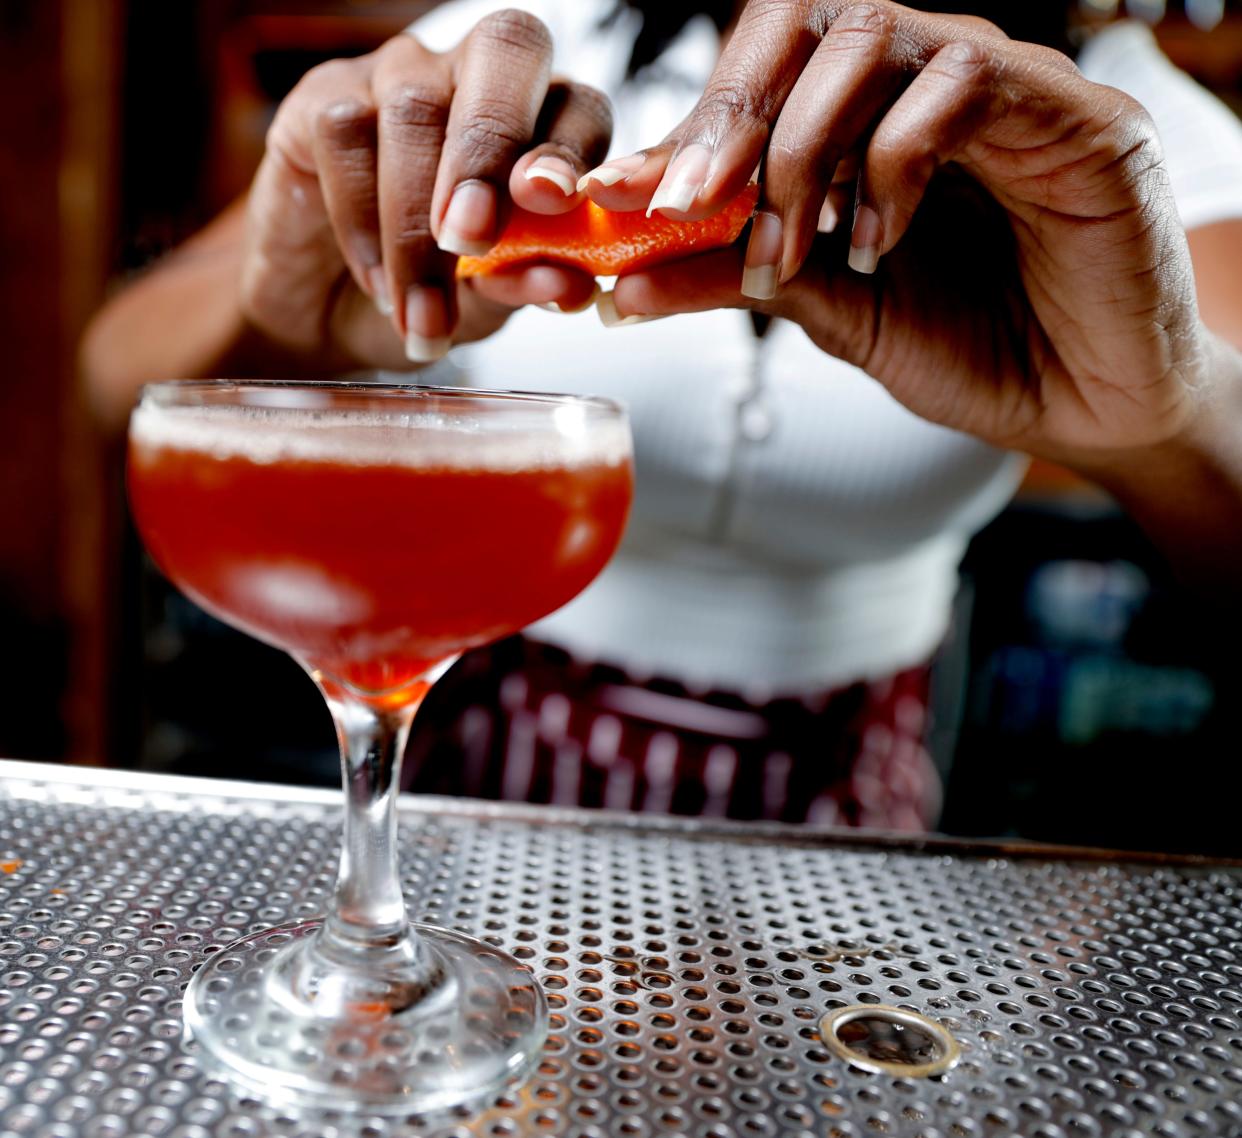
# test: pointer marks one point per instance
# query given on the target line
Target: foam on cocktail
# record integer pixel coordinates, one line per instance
(421, 440)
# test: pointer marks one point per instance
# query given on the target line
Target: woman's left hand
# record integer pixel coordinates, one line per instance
(1017, 269)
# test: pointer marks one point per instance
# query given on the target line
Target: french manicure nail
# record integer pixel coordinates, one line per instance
(555, 170)
(426, 324)
(609, 317)
(761, 272)
(469, 225)
(377, 283)
(683, 180)
(865, 240)
(613, 171)
(828, 217)
(560, 310)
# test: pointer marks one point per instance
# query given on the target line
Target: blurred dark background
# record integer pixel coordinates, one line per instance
(1083, 697)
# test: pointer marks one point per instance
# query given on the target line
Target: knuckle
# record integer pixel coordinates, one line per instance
(964, 60)
(346, 123)
(726, 106)
(1050, 57)
(280, 128)
(810, 16)
(400, 50)
(781, 13)
(723, 102)
(490, 131)
(332, 74)
(1130, 113)
(978, 25)
(416, 105)
(869, 30)
(517, 30)
(866, 18)
(1131, 135)
(592, 104)
(1032, 64)
(286, 143)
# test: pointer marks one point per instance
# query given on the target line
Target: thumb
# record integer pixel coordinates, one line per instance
(838, 308)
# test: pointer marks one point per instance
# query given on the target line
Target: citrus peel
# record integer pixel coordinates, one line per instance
(605, 242)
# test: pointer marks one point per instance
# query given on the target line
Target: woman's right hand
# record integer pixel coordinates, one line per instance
(379, 170)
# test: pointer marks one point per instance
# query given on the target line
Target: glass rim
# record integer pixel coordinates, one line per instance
(382, 389)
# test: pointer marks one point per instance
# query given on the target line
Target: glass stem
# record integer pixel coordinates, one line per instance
(367, 919)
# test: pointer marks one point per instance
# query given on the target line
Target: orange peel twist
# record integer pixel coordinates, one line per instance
(606, 243)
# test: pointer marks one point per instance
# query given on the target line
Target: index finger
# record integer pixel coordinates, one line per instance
(501, 81)
(709, 157)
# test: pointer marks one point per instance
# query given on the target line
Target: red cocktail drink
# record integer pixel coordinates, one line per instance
(371, 552)
(374, 532)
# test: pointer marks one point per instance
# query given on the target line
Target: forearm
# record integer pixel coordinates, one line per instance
(183, 320)
(1187, 492)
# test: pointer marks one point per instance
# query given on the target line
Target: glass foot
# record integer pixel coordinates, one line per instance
(300, 1030)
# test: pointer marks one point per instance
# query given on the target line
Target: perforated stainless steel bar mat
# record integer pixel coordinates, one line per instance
(688, 969)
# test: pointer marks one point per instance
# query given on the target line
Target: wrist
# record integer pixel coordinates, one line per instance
(1186, 490)
(1207, 430)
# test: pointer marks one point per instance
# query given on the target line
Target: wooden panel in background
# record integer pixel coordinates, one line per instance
(55, 68)
(90, 60)
(31, 327)
(32, 385)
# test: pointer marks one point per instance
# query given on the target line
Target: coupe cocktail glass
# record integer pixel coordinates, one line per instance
(374, 532)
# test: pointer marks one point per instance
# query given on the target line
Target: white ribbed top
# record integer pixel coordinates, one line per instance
(1202, 137)
(803, 531)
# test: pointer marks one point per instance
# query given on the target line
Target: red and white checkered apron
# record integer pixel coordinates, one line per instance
(523, 721)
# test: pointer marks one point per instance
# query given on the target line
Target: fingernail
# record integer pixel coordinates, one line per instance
(555, 170)
(865, 240)
(763, 257)
(683, 180)
(377, 282)
(609, 317)
(828, 217)
(561, 310)
(426, 324)
(613, 171)
(469, 225)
